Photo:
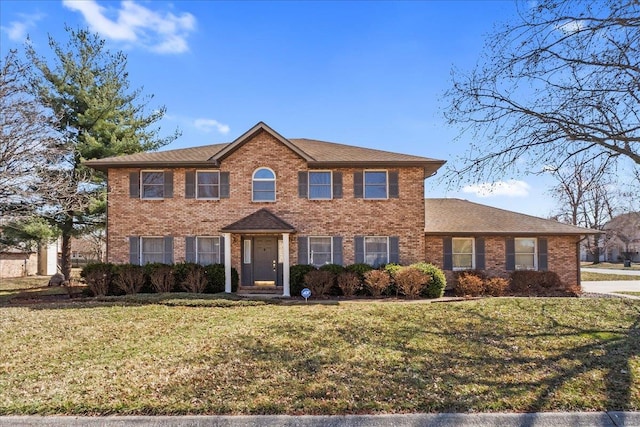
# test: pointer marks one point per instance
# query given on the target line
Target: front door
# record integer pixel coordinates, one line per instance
(265, 261)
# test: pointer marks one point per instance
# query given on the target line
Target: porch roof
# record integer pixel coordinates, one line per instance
(261, 221)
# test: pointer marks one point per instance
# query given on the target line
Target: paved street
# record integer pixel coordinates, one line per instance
(612, 286)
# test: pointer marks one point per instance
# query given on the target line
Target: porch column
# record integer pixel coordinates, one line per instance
(227, 262)
(286, 291)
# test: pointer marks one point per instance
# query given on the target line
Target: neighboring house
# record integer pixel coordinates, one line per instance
(622, 240)
(18, 263)
(263, 203)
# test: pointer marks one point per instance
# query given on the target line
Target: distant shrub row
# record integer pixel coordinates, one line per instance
(413, 281)
(474, 283)
(120, 279)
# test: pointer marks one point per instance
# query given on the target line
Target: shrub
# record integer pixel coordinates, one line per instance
(377, 281)
(392, 269)
(360, 269)
(195, 279)
(334, 268)
(496, 286)
(98, 277)
(349, 282)
(537, 283)
(411, 281)
(437, 283)
(469, 285)
(319, 282)
(296, 277)
(129, 278)
(160, 277)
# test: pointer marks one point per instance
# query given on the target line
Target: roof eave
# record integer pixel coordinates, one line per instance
(104, 166)
(257, 231)
(430, 167)
(508, 233)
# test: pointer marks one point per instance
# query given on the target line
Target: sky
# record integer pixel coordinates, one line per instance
(371, 74)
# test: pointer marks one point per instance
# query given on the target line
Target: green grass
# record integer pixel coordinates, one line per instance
(226, 356)
(610, 266)
(599, 277)
(637, 294)
(32, 288)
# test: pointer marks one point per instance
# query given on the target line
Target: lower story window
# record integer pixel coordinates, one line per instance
(462, 253)
(208, 250)
(525, 251)
(376, 250)
(152, 250)
(320, 251)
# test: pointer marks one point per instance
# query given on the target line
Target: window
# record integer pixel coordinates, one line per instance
(208, 185)
(208, 250)
(152, 250)
(375, 184)
(152, 185)
(525, 252)
(376, 250)
(320, 251)
(264, 185)
(462, 252)
(247, 251)
(319, 185)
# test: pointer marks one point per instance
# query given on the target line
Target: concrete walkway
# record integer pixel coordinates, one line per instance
(545, 419)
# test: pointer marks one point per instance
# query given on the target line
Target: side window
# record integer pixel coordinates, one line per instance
(525, 253)
(462, 253)
(152, 185)
(208, 185)
(375, 185)
(320, 251)
(376, 250)
(264, 185)
(320, 185)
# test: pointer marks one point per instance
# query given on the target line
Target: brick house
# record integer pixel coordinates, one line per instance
(264, 202)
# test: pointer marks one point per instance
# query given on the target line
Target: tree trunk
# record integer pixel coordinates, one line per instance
(65, 260)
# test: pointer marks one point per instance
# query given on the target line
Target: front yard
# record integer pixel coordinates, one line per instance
(184, 354)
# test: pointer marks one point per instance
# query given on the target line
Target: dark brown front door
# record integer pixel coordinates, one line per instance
(265, 261)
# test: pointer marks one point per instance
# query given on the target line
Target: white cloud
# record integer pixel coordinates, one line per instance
(511, 188)
(157, 31)
(17, 30)
(571, 27)
(209, 125)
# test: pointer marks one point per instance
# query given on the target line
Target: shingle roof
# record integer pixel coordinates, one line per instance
(261, 221)
(460, 217)
(316, 153)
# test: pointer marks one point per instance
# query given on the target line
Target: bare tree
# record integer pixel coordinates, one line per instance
(561, 80)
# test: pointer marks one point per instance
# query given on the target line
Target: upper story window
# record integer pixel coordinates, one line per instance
(375, 184)
(264, 185)
(152, 185)
(525, 253)
(207, 185)
(320, 185)
(462, 253)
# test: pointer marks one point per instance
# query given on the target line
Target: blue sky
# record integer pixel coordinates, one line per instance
(371, 74)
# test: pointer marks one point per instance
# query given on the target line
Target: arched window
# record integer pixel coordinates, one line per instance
(264, 185)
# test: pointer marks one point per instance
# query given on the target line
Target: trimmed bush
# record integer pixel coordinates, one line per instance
(216, 278)
(496, 286)
(411, 281)
(377, 282)
(392, 269)
(333, 268)
(129, 278)
(469, 285)
(160, 277)
(437, 283)
(319, 282)
(349, 283)
(296, 277)
(98, 277)
(535, 283)
(359, 269)
(195, 279)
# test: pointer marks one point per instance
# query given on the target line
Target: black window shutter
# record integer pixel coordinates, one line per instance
(168, 250)
(190, 249)
(134, 184)
(221, 261)
(337, 250)
(358, 245)
(337, 185)
(480, 264)
(447, 253)
(190, 184)
(510, 245)
(224, 185)
(394, 191)
(358, 185)
(394, 249)
(168, 184)
(543, 259)
(303, 251)
(303, 182)
(134, 250)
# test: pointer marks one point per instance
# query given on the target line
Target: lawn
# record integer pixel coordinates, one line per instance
(610, 265)
(182, 354)
(637, 294)
(599, 277)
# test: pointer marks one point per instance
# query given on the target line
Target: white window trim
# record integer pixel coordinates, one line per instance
(473, 253)
(140, 244)
(364, 244)
(535, 253)
(309, 254)
(364, 184)
(274, 180)
(142, 184)
(330, 185)
(208, 237)
(198, 187)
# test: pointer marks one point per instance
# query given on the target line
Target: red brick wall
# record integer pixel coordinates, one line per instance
(346, 217)
(562, 257)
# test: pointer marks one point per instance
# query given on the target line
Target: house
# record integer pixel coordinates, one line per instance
(17, 262)
(622, 239)
(264, 202)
